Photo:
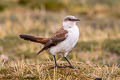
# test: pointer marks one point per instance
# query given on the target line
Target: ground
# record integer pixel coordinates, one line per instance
(43, 71)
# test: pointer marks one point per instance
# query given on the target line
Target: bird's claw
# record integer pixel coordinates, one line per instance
(71, 67)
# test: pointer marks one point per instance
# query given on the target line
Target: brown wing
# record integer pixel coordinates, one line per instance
(58, 37)
(34, 39)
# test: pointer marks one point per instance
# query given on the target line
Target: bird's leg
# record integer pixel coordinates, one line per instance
(56, 65)
(71, 66)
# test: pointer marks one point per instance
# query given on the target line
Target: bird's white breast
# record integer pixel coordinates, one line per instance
(67, 45)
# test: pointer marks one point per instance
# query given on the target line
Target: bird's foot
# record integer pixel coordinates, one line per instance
(71, 67)
(59, 66)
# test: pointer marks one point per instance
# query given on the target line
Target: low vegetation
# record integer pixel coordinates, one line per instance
(43, 70)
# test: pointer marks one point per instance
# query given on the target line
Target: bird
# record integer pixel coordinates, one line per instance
(63, 41)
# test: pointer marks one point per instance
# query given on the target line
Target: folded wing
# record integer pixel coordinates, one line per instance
(58, 37)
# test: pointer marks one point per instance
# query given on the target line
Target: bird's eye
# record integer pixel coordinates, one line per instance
(69, 19)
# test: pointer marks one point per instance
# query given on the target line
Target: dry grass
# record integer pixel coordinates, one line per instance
(42, 71)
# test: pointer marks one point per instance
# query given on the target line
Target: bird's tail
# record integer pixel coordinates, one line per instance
(34, 39)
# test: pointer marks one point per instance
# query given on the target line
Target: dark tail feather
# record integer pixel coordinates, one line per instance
(27, 37)
(40, 51)
(46, 46)
(34, 39)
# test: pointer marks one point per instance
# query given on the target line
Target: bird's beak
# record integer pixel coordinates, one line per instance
(76, 19)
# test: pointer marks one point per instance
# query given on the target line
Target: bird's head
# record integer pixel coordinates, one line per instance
(70, 21)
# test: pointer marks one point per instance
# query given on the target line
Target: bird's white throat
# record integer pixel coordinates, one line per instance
(68, 24)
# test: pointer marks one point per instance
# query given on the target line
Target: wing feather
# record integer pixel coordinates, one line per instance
(58, 37)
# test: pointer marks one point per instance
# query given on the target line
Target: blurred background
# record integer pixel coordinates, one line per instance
(99, 40)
